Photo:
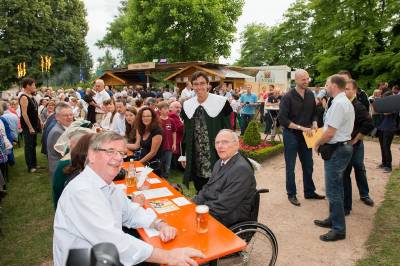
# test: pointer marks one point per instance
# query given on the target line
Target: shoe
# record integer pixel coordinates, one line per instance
(346, 212)
(381, 166)
(323, 223)
(332, 236)
(38, 167)
(367, 201)
(315, 196)
(32, 170)
(294, 201)
(387, 169)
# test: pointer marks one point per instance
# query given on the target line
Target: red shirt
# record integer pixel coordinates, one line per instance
(169, 128)
(179, 131)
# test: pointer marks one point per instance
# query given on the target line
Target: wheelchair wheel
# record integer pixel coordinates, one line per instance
(262, 246)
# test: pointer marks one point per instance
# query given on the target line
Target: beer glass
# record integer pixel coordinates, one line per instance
(202, 218)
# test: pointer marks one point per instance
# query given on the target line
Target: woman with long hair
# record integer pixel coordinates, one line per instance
(130, 129)
(148, 137)
(108, 121)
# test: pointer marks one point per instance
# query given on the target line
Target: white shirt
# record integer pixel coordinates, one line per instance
(187, 94)
(166, 95)
(235, 105)
(341, 117)
(90, 212)
(106, 122)
(99, 98)
(119, 125)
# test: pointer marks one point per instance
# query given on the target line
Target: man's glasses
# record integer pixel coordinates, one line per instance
(112, 152)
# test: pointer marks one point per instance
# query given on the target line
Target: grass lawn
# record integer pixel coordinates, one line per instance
(26, 217)
(384, 242)
(26, 214)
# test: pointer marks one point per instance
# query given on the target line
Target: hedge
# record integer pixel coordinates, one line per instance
(264, 153)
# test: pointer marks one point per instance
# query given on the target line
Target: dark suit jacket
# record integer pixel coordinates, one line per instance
(52, 155)
(229, 191)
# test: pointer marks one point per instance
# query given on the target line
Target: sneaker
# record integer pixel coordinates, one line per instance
(32, 170)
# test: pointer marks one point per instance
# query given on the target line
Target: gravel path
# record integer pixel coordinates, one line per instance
(297, 236)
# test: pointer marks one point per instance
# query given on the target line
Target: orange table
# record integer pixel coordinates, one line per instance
(219, 241)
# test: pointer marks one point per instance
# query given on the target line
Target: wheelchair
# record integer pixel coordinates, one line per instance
(262, 246)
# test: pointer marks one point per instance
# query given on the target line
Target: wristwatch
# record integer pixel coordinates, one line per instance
(298, 127)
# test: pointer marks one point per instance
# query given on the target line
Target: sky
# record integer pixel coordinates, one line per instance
(101, 12)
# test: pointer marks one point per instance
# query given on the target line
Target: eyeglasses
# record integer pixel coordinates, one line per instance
(112, 152)
(223, 142)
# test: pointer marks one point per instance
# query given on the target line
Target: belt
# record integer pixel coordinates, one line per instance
(340, 143)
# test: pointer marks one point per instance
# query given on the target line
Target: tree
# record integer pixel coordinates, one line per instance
(258, 46)
(105, 63)
(34, 28)
(179, 30)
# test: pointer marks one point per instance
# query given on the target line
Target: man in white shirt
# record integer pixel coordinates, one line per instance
(100, 96)
(119, 125)
(187, 92)
(336, 151)
(92, 210)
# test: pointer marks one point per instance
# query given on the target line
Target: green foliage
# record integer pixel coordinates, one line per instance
(382, 245)
(252, 136)
(263, 154)
(325, 36)
(105, 63)
(179, 30)
(31, 28)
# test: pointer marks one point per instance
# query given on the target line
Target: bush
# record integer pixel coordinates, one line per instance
(252, 136)
(262, 154)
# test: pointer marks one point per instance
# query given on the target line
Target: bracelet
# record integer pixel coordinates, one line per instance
(157, 223)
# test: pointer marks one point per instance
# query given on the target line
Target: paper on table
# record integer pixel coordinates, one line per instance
(181, 201)
(310, 141)
(143, 175)
(150, 232)
(153, 180)
(139, 169)
(154, 193)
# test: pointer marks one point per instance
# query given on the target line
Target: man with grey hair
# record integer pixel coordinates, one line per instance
(232, 185)
(92, 210)
(297, 114)
(100, 96)
(64, 117)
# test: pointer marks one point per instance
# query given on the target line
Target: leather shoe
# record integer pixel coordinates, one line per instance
(346, 212)
(368, 201)
(323, 223)
(332, 236)
(315, 196)
(294, 201)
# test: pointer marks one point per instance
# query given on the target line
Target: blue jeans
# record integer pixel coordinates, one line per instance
(166, 158)
(246, 118)
(334, 169)
(356, 162)
(294, 144)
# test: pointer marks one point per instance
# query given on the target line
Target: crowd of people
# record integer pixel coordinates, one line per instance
(86, 135)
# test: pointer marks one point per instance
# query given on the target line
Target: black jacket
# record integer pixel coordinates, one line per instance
(362, 122)
(229, 191)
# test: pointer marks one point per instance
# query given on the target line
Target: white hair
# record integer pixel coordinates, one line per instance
(233, 133)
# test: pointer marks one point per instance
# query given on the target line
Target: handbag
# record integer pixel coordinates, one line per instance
(326, 150)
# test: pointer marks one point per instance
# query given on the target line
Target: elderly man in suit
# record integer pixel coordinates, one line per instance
(229, 191)
(64, 117)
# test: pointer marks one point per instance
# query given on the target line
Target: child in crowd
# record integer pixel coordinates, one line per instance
(169, 138)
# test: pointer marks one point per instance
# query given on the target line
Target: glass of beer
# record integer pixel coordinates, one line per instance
(130, 181)
(202, 218)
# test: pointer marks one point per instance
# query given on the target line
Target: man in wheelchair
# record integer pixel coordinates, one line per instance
(230, 191)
